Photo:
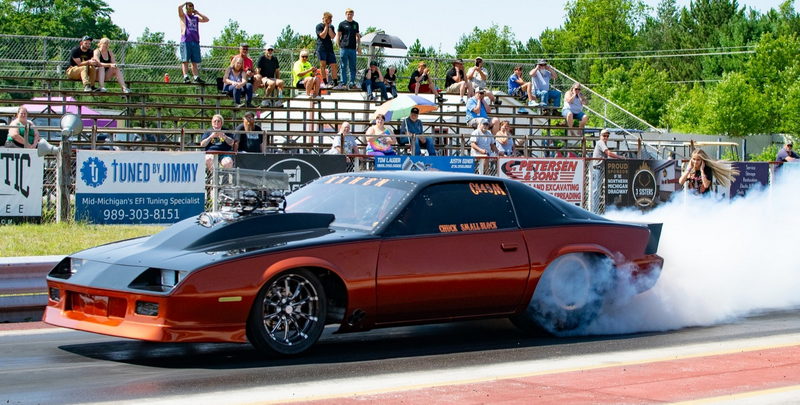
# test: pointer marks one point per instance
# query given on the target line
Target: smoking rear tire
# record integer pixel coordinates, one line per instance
(288, 315)
(569, 295)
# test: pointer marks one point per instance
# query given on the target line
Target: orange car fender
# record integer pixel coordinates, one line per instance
(297, 262)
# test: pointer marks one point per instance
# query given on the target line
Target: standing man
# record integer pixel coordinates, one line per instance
(190, 40)
(82, 66)
(601, 152)
(325, 35)
(541, 76)
(349, 40)
(268, 74)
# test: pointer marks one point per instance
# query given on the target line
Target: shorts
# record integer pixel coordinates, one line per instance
(576, 116)
(190, 52)
(454, 88)
(423, 88)
(326, 56)
(300, 84)
(518, 92)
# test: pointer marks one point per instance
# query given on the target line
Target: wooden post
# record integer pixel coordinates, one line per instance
(63, 180)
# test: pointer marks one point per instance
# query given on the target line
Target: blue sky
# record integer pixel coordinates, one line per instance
(437, 23)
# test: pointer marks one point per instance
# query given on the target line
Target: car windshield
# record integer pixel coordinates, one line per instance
(358, 202)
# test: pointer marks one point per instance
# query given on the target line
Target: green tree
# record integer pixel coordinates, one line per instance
(686, 109)
(642, 90)
(790, 113)
(735, 107)
(61, 18)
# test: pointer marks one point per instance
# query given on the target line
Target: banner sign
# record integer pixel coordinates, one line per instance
(639, 183)
(300, 168)
(21, 174)
(139, 187)
(751, 175)
(562, 178)
(462, 164)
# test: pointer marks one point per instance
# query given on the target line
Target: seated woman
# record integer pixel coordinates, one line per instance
(504, 142)
(107, 68)
(379, 139)
(304, 75)
(22, 134)
(235, 80)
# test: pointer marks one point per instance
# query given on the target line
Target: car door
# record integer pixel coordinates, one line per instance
(454, 251)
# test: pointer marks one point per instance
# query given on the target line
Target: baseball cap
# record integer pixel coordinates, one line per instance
(244, 45)
(373, 63)
(483, 121)
(481, 90)
(478, 58)
(87, 38)
(270, 46)
(458, 60)
(542, 62)
(604, 132)
(415, 110)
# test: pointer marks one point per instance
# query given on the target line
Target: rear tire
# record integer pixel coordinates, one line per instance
(569, 295)
(288, 315)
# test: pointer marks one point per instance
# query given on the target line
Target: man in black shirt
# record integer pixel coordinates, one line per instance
(81, 65)
(268, 75)
(325, 35)
(454, 81)
(349, 40)
(252, 141)
(373, 79)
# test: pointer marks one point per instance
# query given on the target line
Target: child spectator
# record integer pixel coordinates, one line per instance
(421, 81)
(390, 81)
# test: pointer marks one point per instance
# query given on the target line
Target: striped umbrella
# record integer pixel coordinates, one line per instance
(400, 107)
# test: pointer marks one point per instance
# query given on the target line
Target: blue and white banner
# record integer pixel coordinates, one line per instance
(139, 187)
(21, 172)
(462, 164)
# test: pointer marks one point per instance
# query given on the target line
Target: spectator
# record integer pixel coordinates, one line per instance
(235, 80)
(350, 145)
(23, 134)
(304, 76)
(252, 139)
(541, 75)
(373, 79)
(702, 171)
(573, 108)
(504, 140)
(216, 140)
(349, 40)
(244, 50)
(600, 153)
(267, 75)
(478, 76)
(81, 65)
(516, 86)
(482, 144)
(390, 81)
(421, 81)
(786, 154)
(190, 40)
(412, 125)
(477, 107)
(379, 139)
(455, 83)
(107, 66)
(325, 35)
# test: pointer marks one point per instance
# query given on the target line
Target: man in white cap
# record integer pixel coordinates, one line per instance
(541, 75)
(268, 73)
(477, 76)
(601, 152)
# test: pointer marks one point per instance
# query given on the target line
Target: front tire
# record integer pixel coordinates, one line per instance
(288, 315)
(569, 295)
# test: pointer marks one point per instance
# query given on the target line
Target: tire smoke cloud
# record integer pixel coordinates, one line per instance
(723, 260)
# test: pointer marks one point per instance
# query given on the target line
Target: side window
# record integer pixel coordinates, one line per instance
(456, 207)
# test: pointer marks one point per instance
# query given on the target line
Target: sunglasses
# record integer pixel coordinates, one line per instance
(303, 56)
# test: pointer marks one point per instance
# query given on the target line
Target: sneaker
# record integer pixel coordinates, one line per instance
(186, 79)
(497, 101)
(354, 87)
(340, 87)
(240, 105)
(440, 98)
(87, 88)
(103, 90)
(266, 103)
(522, 111)
(95, 89)
(532, 103)
(126, 90)
(277, 103)
(370, 97)
(199, 80)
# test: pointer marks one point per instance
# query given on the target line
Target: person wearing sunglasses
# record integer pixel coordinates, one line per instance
(573, 109)
(304, 75)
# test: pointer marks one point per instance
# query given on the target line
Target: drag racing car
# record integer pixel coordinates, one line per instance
(358, 251)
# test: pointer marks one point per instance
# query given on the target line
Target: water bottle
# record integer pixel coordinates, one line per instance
(166, 77)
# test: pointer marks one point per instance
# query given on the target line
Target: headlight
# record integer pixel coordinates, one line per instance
(161, 280)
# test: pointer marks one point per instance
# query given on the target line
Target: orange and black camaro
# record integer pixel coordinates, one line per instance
(359, 251)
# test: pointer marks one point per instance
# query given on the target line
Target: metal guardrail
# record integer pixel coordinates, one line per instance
(23, 289)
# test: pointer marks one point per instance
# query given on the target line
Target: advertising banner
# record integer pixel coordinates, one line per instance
(752, 175)
(139, 187)
(462, 164)
(21, 173)
(562, 178)
(639, 183)
(300, 168)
